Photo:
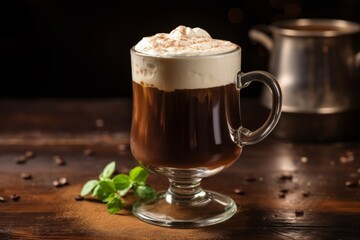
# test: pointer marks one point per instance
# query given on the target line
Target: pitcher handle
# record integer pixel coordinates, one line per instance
(245, 136)
(261, 34)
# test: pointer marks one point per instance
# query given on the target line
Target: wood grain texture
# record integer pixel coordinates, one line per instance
(330, 211)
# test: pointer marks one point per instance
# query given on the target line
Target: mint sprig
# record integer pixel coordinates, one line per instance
(112, 190)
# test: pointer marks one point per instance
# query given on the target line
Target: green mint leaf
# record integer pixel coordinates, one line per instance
(114, 203)
(145, 191)
(108, 171)
(106, 188)
(95, 190)
(88, 187)
(138, 174)
(121, 181)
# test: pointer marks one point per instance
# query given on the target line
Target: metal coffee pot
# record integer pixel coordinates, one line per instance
(317, 64)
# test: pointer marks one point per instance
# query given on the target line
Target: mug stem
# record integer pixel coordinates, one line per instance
(186, 192)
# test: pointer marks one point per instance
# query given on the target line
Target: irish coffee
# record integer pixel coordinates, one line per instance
(186, 121)
(185, 128)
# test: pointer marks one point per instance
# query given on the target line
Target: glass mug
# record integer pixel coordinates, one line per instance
(186, 134)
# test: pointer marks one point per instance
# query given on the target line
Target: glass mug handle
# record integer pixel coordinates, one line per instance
(245, 136)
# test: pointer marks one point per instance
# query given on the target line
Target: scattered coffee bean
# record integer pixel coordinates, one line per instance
(56, 183)
(348, 157)
(239, 191)
(63, 181)
(88, 152)
(21, 159)
(332, 163)
(351, 184)
(299, 213)
(304, 159)
(344, 159)
(284, 190)
(79, 198)
(60, 182)
(250, 178)
(282, 195)
(2, 199)
(99, 122)
(26, 176)
(29, 154)
(59, 160)
(15, 197)
(286, 176)
(123, 147)
(305, 193)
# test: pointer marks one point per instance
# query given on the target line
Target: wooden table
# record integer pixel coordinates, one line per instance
(314, 204)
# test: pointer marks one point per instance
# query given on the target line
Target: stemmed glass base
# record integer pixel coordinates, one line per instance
(186, 206)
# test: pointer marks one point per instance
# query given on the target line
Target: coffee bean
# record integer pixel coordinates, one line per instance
(59, 160)
(2, 199)
(284, 190)
(56, 183)
(63, 181)
(282, 195)
(29, 154)
(21, 159)
(239, 191)
(299, 213)
(88, 152)
(351, 184)
(286, 176)
(345, 159)
(15, 197)
(305, 193)
(304, 159)
(250, 178)
(348, 157)
(79, 198)
(26, 176)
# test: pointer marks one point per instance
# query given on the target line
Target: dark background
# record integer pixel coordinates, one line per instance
(58, 48)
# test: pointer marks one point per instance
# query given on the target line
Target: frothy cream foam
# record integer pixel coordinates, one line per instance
(185, 58)
(183, 41)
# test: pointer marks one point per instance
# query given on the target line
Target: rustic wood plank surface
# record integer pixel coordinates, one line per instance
(316, 204)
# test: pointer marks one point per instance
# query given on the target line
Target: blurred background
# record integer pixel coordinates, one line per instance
(80, 49)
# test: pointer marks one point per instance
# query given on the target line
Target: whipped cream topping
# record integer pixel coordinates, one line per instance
(183, 41)
(184, 59)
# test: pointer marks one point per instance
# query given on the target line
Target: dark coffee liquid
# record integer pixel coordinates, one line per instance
(185, 128)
